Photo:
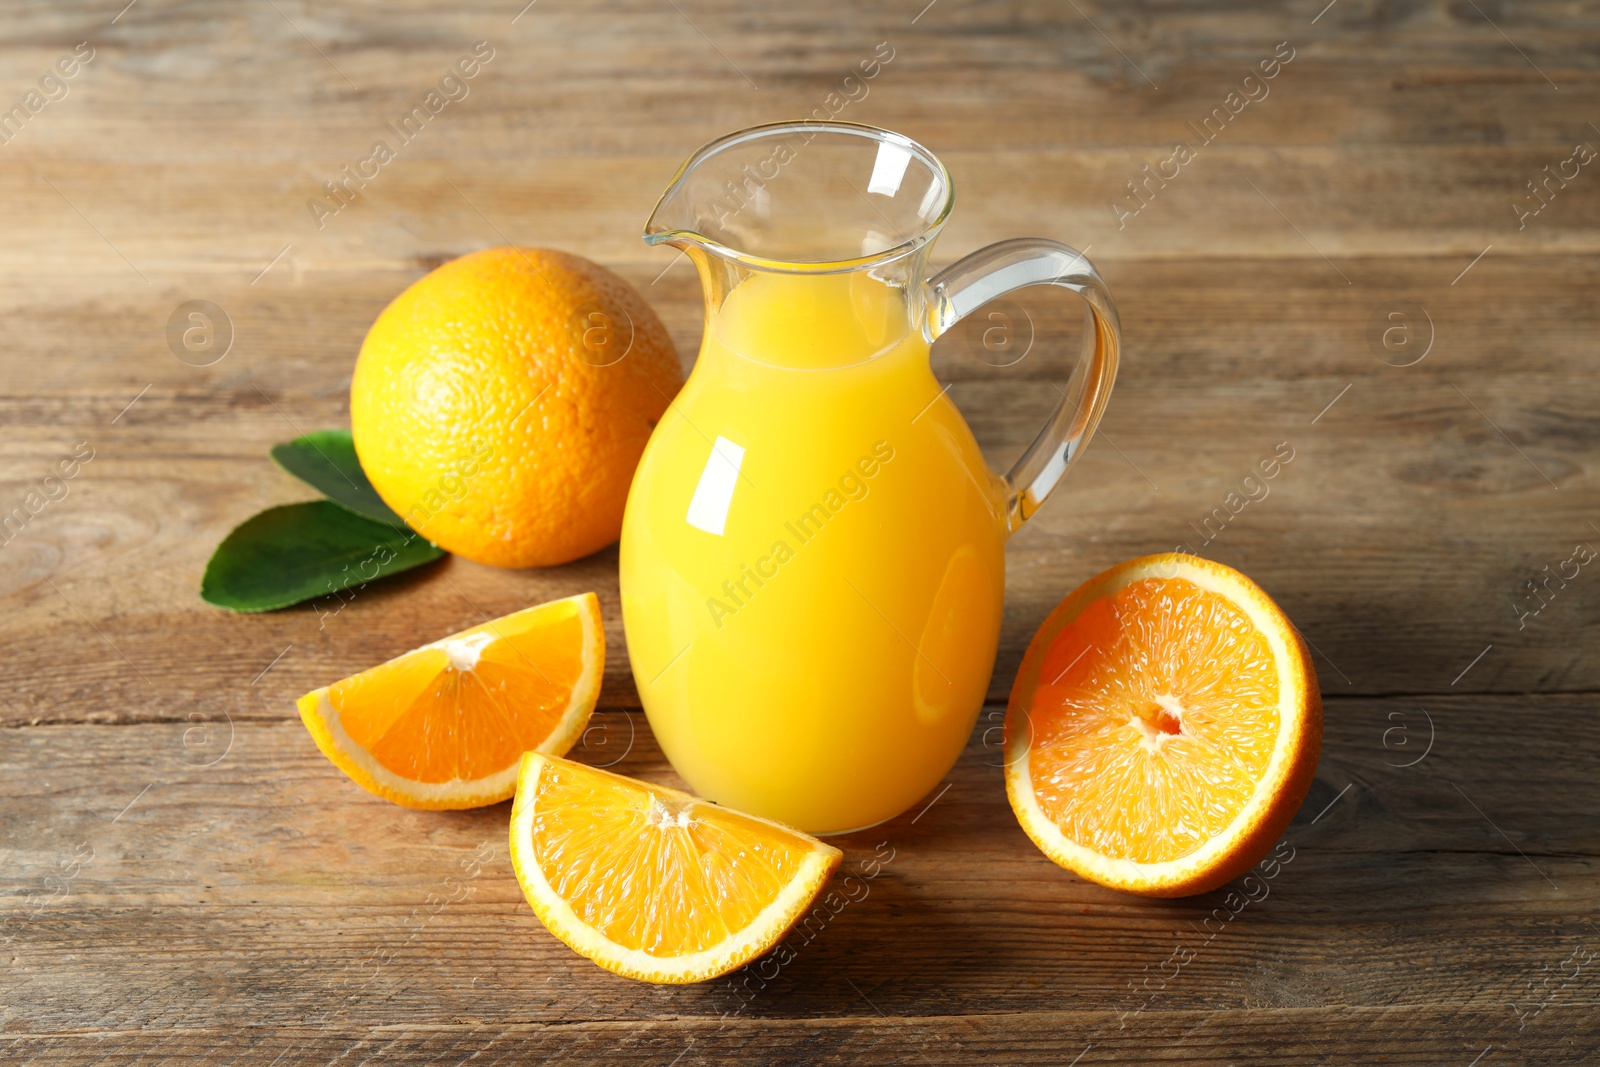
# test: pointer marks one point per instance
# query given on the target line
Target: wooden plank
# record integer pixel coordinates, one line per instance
(1184, 319)
(575, 154)
(1429, 73)
(1384, 205)
(201, 873)
(1289, 1037)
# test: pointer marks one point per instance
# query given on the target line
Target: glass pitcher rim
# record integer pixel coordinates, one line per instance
(922, 237)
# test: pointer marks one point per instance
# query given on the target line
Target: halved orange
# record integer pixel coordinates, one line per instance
(444, 725)
(652, 883)
(1163, 728)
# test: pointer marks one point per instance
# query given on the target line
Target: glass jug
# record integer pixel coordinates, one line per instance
(813, 553)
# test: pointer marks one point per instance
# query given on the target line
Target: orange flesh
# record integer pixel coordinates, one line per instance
(1155, 715)
(429, 719)
(662, 873)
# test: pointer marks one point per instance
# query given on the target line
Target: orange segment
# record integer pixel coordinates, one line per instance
(652, 883)
(1164, 727)
(443, 726)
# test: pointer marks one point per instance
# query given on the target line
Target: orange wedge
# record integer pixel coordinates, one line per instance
(444, 725)
(652, 883)
(1163, 728)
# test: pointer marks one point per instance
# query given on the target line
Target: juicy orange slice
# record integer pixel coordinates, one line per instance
(652, 883)
(1163, 728)
(444, 725)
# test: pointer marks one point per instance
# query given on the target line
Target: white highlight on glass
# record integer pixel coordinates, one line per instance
(708, 508)
(1051, 474)
(930, 200)
(888, 169)
(875, 242)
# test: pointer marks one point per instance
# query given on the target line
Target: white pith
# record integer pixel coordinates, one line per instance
(1152, 736)
(464, 652)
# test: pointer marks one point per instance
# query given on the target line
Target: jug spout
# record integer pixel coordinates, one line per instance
(693, 209)
(673, 220)
(810, 197)
(824, 212)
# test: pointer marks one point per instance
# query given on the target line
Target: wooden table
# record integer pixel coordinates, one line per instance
(185, 879)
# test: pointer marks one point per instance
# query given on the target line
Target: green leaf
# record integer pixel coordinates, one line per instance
(299, 551)
(326, 461)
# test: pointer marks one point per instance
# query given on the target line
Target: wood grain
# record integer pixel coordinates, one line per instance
(125, 549)
(267, 887)
(1287, 1037)
(183, 878)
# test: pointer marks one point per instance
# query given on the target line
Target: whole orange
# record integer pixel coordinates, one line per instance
(501, 403)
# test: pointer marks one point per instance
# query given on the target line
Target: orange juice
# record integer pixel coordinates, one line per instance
(812, 559)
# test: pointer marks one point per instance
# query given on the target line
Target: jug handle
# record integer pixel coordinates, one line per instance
(1004, 267)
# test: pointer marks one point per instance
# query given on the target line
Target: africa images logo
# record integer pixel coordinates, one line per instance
(453, 88)
(854, 484)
